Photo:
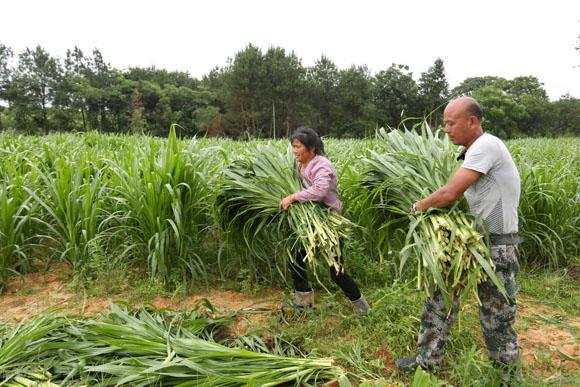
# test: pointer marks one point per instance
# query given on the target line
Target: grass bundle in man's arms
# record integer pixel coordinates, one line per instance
(452, 255)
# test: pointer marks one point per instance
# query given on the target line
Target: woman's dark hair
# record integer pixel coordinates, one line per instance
(309, 138)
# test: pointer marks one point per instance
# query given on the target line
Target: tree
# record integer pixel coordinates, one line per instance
(33, 87)
(284, 85)
(540, 116)
(525, 91)
(5, 56)
(208, 119)
(322, 82)
(434, 92)
(355, 110)
(96, 91)
(137, 121)
(261, 94)
(99, 77)
(163, 115)
(396, 94)
(526, 86)
(162, 77)
(529, 92)
(180, 105)
(214, 80)
(75, 66)
(567, 116)
(243, 86)
(63, 111)
(501, 114)
(469, 85)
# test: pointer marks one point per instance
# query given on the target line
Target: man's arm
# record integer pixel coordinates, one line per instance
(451, 191)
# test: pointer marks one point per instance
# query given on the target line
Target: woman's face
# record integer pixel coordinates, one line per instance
(301, 152)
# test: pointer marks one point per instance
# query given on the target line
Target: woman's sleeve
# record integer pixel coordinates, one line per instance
(323, 175)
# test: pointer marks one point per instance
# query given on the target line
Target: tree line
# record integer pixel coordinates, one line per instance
(258, 93)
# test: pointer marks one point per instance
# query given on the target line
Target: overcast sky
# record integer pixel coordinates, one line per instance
(505, 38)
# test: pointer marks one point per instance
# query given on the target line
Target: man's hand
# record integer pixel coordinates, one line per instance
(285, 203)
(450, 192)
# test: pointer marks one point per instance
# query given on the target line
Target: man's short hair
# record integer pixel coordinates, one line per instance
(473, 108)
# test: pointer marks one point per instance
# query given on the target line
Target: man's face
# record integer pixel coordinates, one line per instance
(457, 124)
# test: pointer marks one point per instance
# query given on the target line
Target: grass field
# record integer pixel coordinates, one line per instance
(87, 219)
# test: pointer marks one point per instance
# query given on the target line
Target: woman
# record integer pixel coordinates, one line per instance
(318, 177)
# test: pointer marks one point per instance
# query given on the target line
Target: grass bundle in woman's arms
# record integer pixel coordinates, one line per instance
(251, 191)
(451, 254)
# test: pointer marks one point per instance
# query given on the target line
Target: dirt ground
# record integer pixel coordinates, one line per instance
(38, 293)
(552, 344)
(547, 347)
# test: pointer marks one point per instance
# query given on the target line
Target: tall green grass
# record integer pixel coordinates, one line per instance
(17, 217)
(18, 213)
(72, 200)
(164, 206)
(105, 201)
(550, 200)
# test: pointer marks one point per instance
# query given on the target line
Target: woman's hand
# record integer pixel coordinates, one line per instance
(285, 203)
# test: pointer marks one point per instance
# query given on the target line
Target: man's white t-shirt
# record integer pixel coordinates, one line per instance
(496, 194)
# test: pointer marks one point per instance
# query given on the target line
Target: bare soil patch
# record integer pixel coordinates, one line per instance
(37, 293)
(550, 346)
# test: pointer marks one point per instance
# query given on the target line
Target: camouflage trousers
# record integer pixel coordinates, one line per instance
(496, 315)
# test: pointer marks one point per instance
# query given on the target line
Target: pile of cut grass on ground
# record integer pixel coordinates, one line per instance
(144, 349)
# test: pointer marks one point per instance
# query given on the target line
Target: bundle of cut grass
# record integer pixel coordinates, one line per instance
(452, 255)
(251, 191)
(142, 349)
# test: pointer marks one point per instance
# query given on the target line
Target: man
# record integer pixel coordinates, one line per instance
(491, 184)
